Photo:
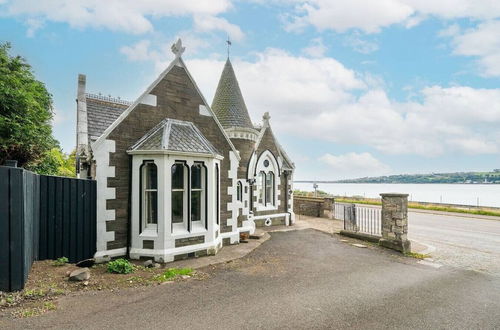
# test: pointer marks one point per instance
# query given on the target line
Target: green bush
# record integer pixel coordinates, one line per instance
(120, 266)
(61, 261)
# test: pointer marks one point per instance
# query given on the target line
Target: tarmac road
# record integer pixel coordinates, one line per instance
(296, 280)
(470, 243)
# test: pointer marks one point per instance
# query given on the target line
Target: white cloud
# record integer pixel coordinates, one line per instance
(360, 45)
(342, 15)
(355, 164)
(316, 48)
(322, 99)
(371, 16)
(207, 23)
(482, 42)
(33, 25)
(128, 16)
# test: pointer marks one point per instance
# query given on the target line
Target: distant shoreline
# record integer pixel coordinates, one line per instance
(361, 182)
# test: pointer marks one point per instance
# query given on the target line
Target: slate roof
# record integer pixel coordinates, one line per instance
(228, 103)
(175, 135)
(101, 113)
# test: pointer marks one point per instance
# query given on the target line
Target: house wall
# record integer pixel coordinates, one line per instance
(177, 98)
(279, 215)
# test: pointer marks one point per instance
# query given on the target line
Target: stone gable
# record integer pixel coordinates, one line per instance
(177, 98)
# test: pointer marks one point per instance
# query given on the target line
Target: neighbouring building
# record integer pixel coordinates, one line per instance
(175, 177)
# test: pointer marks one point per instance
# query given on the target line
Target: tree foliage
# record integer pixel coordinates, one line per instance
(25, 113)
(55, 162)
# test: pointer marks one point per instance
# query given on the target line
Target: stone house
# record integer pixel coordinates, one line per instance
(175, 177)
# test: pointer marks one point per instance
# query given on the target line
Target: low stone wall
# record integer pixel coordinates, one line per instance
(313, 206)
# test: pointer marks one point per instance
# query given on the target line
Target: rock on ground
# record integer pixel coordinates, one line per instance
(81, 274)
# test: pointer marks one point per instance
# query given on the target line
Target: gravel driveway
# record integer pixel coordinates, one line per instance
(296, 280)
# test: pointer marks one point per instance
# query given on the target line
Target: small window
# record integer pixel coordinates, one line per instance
(149, 194)
(178, 192)
(270, 188)
(239, 191)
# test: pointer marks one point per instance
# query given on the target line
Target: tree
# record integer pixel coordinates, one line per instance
(25, 113)
(55, 162)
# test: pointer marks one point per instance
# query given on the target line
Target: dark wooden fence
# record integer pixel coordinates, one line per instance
(43, 217)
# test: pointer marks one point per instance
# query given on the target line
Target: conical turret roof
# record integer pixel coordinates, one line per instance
(228, 103)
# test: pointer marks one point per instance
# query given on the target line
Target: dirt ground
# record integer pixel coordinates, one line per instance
(47, 282)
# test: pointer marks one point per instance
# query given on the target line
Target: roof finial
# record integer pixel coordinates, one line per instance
(177, 48)
(228, 45)
(265, 119)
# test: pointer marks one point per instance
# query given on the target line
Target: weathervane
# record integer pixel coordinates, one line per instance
(177, 48)
(228, 45)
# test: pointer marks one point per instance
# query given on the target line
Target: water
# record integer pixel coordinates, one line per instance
(466, 194)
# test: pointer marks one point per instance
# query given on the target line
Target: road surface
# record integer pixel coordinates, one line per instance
(302, 279)
(465, 242)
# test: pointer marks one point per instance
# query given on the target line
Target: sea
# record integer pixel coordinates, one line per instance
(464, 194)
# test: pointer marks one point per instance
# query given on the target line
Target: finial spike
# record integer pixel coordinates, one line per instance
(177, 48)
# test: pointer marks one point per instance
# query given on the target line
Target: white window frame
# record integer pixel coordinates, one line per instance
(145, 224)
(197, 224)
(180, 226)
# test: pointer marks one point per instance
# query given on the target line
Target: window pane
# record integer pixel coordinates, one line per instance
(151, 176)
(239, 191)
(178, 176)
(151, 201)
(196, 205)
(196, 176)
(270, 188)
(261, 184)
(177, 206)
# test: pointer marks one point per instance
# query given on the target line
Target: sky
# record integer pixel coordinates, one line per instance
(354, 88)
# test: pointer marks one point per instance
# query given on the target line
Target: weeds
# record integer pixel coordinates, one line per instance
(172, 273)
(120, 266)
(60, 261)
(417, 255)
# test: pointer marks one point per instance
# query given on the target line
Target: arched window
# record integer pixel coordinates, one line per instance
(198, 200)
(149, 178)
(239, 191)
(179, 202)
(270, 188)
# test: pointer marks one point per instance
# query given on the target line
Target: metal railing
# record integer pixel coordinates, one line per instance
(362, 219)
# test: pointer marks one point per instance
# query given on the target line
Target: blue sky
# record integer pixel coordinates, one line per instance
(354, 87)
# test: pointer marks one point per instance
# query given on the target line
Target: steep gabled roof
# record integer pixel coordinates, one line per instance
(176, 62)
(228, 103)
(175, 135)
(101, 113)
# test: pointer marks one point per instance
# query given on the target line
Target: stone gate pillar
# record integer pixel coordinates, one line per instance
(395, 222)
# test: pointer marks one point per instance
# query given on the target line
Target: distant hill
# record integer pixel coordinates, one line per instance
(460, 177)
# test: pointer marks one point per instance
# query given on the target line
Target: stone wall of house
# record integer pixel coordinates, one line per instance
(269, 143)
(320, 207)
(177, 98)
(189, 241)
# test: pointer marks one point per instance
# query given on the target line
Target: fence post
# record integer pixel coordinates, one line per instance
(395, 222)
